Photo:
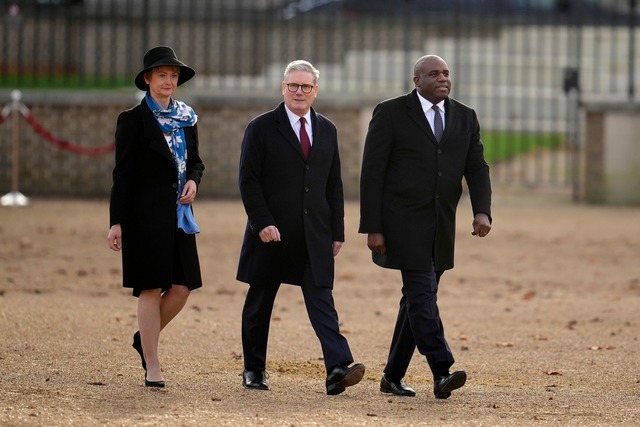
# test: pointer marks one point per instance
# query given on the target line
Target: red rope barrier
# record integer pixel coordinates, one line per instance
(62, 144)
(5, 113)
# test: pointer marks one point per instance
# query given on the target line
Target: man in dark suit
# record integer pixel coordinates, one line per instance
(418, 148)
(291, 188)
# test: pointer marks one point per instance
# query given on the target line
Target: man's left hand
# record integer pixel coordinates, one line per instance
(481, 225)
(336, 247)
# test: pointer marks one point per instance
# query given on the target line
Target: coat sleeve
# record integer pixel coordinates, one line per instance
(195, 166)
(335, 193)
(476, 173)
(128, 131)
(375, 158)
(252, 154)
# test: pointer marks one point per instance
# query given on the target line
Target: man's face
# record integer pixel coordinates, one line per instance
(433, 83)
(298, 101)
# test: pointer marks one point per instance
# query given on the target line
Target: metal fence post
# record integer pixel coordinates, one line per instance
(632, 56)
(572, 85)
(15, 197)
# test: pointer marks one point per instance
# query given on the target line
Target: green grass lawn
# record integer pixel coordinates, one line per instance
(506, 145)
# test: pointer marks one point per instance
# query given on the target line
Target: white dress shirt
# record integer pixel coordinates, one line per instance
(428, 111)
(295, 123)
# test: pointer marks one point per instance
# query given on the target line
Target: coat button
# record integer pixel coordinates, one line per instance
(306, 189)
(439, 173)
(439, 151)
(306, 167)
(175, 185)
(305, 211)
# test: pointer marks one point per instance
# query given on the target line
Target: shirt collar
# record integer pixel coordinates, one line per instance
(426, 105)
(294, 118)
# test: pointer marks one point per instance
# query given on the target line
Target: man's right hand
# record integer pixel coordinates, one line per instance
(375, 242)
(115, 238)
(269, 234)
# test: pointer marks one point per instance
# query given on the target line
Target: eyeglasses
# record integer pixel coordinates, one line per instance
(293, 87)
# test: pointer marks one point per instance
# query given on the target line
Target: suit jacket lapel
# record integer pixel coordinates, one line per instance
(450, 113)
(416, 113)
(317, 133)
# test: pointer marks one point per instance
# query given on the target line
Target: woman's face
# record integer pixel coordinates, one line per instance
(162, 82)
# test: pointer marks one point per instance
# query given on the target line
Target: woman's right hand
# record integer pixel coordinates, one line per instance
(115, 238)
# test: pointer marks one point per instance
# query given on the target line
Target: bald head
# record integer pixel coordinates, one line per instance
(431, 77)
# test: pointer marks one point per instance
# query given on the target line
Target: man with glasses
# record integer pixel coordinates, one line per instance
(291, 188)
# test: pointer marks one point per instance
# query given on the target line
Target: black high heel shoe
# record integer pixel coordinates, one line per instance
(137, 344)
(159, 384)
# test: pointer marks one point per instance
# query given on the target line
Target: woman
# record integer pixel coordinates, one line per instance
(155, 181)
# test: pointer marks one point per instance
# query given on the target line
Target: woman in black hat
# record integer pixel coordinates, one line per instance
(155, 181)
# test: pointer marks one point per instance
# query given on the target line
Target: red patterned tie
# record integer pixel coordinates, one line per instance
(305, 143)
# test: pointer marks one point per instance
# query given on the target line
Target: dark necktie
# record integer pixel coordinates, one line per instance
(437, 123)
(305, 143)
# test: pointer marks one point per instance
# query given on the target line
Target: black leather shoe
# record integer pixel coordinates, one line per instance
(255, 380)
(444, 385)
(398, 388)
(137, 344)
(159, 384)
(342, 377)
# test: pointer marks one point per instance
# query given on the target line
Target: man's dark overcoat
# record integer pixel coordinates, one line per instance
(143, 201)
(411, 185)
(302, 198)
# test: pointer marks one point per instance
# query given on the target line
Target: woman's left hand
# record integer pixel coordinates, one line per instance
(189, 192)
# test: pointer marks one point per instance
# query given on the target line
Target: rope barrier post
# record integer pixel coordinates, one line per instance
(15, 197)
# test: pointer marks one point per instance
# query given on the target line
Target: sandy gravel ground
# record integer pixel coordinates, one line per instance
(542, 314)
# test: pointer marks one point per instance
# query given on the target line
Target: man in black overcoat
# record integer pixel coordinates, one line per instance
(418, 149)
(291, 188)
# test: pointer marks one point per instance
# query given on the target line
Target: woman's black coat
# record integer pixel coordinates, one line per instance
(143, 201)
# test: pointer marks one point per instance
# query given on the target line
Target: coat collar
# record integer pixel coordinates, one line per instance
(415, 112)
(284, 127)
(153, 133)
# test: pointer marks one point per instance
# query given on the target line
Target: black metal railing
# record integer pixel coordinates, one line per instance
(523, 64)
(99, 43)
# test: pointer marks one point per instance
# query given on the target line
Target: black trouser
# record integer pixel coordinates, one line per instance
(256, 316)
(418, 325)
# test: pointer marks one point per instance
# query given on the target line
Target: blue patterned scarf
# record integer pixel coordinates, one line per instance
(171, 121)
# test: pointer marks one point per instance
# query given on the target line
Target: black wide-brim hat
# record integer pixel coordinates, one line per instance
(162, 56)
